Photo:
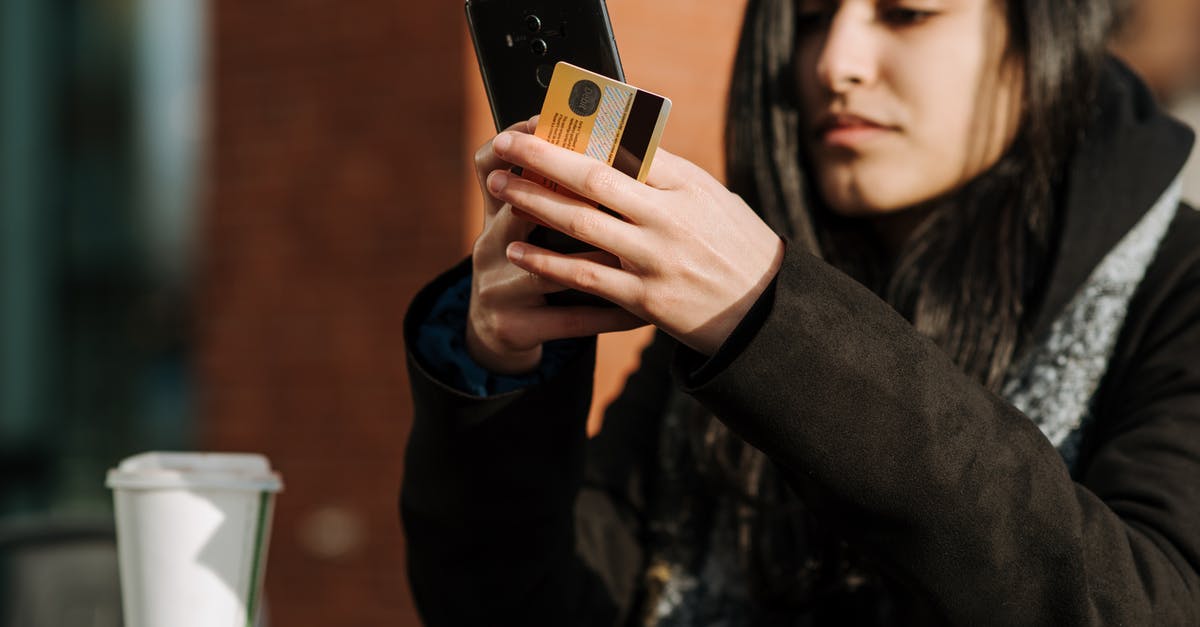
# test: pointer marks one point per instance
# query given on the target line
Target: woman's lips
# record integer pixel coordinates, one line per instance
(849, 131)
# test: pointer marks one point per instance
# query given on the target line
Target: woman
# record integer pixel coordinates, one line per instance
(939, 362)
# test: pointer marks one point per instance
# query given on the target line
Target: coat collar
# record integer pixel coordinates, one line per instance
(1130, 153)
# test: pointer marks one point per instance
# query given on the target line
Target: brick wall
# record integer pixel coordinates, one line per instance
(340, 183)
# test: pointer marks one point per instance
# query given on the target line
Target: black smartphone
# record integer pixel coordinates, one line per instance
(517, 44)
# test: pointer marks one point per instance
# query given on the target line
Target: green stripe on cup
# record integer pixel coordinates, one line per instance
(264, 499)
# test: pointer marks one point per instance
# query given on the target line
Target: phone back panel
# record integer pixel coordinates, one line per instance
(518, 42)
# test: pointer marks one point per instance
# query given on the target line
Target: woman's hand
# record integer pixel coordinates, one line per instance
(508, 319)
(693, 256)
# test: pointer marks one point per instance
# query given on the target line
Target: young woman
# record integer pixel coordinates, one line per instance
(936, 356)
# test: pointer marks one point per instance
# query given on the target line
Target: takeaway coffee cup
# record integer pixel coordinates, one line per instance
(192, 534)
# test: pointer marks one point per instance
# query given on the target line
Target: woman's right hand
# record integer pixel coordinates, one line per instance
(508, 319)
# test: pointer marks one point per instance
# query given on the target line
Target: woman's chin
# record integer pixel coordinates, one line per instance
(861, 195)
(850, 204)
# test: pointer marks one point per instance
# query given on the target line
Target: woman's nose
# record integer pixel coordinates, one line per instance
(848, 55)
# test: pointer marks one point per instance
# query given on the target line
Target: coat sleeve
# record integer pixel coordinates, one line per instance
(952, 489)
(490, 491)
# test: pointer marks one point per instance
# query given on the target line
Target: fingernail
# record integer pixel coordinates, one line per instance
(515, 252)
(502, 142)
(497, 181)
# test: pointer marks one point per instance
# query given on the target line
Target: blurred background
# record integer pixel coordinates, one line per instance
(212, 216)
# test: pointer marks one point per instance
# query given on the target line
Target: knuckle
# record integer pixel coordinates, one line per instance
(534, 152)
(653, 301)
(585, 277)
(482, 321)
(584, 224)
(700, 195)
(599, 181)
(485, 294)
(535, 280)
(484, 251)
(483, 156)
(479, 249)
(505, 333)
(490, 321)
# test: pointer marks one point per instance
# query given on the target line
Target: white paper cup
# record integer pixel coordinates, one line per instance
(192, 535)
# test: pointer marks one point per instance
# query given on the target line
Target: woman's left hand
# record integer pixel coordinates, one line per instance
(693, 256)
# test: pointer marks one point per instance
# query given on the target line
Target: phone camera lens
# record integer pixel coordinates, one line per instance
(533, 23)
(539, 47)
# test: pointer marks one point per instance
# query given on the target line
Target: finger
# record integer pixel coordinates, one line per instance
(486, 160)
(545, 286)
(505, 226)
(600, 256)
(515, 228)
(577, 172)
(567, 215)
(528, 217)
(522, 286)
(527, 287)
(583, 274)
(557, 323)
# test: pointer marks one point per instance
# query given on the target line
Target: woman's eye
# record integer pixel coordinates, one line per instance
(902, 16)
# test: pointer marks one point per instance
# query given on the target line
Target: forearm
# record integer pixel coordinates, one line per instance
(948, 484)
(489, 490)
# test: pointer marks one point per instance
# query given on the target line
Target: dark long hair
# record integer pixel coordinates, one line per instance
(970, 275)
(967, 276)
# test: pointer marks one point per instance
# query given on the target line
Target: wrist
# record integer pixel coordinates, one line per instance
(732, 317)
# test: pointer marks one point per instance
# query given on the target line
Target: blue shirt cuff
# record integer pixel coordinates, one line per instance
(441, 346)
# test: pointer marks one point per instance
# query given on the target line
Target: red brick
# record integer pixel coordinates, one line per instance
(340, 182)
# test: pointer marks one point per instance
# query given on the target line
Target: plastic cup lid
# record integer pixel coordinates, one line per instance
(229, 471)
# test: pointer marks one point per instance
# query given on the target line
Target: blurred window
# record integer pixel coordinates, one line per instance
(101, 128)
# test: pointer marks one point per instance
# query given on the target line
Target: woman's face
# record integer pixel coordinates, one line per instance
(904, 100)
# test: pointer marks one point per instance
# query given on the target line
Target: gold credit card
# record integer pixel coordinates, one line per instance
(605, 119)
